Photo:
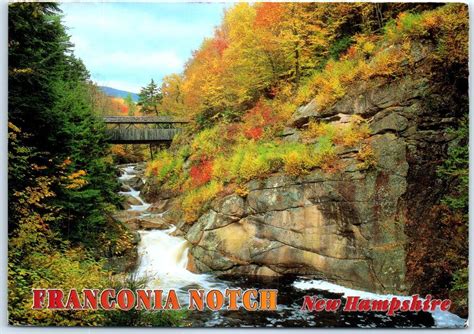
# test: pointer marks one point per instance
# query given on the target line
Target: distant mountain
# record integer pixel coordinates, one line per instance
(118, 93)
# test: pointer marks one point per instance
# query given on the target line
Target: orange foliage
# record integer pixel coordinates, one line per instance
(220, 41)
(268, 14)
(201, 173)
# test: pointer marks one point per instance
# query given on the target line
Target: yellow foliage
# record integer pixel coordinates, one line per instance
(253, 166)
(194, 202)
(296, 164)
(366, 157)
(59, 270)
(206, 143)
(319, 129)
(242, 191)
(118, 150)
(220, 170)
(75, 180)
(345, 134)
(352, 133)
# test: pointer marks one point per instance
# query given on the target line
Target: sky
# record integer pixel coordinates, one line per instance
(125, 45)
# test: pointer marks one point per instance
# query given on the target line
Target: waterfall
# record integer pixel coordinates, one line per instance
(163, 258)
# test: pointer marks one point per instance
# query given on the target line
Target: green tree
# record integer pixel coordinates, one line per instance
(61, 184)
(149, 98)
(130, 104)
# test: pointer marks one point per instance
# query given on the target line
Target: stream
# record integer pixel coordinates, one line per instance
(163, 260)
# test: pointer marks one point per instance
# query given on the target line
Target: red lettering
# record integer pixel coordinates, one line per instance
(158, 299)
(415, 304)
(90, 298)
(351, 304)
(333, 305)
(445, 305)
(73, 302)
(125, 299)
(308, 303)
(394, 306)
(38, 298)
(55, 299)
(196, 299)
(144, 298)
(405, 305)
(380, 305)
(172, 302)
(105, 299)
(426, 303)
(434, 303)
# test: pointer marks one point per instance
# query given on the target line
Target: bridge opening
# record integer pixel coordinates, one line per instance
(156, 131)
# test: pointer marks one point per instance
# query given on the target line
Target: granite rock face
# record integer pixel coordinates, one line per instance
(348, 226)
(343, 227)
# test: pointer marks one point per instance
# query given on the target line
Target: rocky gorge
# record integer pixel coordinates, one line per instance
(347, 226)
(161, 259)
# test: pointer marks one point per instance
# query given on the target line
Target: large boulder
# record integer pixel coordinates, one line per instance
(347, 226)
(135, 182)
(160, 206)
(128, 200)
(147, 223)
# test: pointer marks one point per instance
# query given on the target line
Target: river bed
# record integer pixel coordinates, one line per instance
(163, 261)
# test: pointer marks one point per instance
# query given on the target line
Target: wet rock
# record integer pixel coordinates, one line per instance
(135, 182)
(124, 188)
(128, 201)
(125, 216)
(160, 206)
(153, 223)
(147, 223)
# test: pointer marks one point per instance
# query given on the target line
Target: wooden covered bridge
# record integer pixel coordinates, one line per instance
(142, 129)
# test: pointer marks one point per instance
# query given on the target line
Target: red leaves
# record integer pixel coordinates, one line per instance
(201, 173)
(257, 119)
(254, 133)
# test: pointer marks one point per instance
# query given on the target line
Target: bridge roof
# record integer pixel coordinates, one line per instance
(143, 119)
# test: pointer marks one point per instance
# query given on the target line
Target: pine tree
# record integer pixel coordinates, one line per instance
(50, 102)
(61, 185)
(150, 98)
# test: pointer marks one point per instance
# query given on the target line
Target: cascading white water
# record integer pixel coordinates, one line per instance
(129, 172)
(162, 257)
(163, 260)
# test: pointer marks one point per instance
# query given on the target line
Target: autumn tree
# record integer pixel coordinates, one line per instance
(173, 96)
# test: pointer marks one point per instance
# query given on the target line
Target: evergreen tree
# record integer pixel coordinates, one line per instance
(49, 102)
(61, 186)
(149, 98)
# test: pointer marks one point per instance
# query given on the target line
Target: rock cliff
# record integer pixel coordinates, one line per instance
(348, 226)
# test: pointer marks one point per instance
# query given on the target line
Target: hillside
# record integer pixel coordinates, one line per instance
(324, 139)
(113, 92)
